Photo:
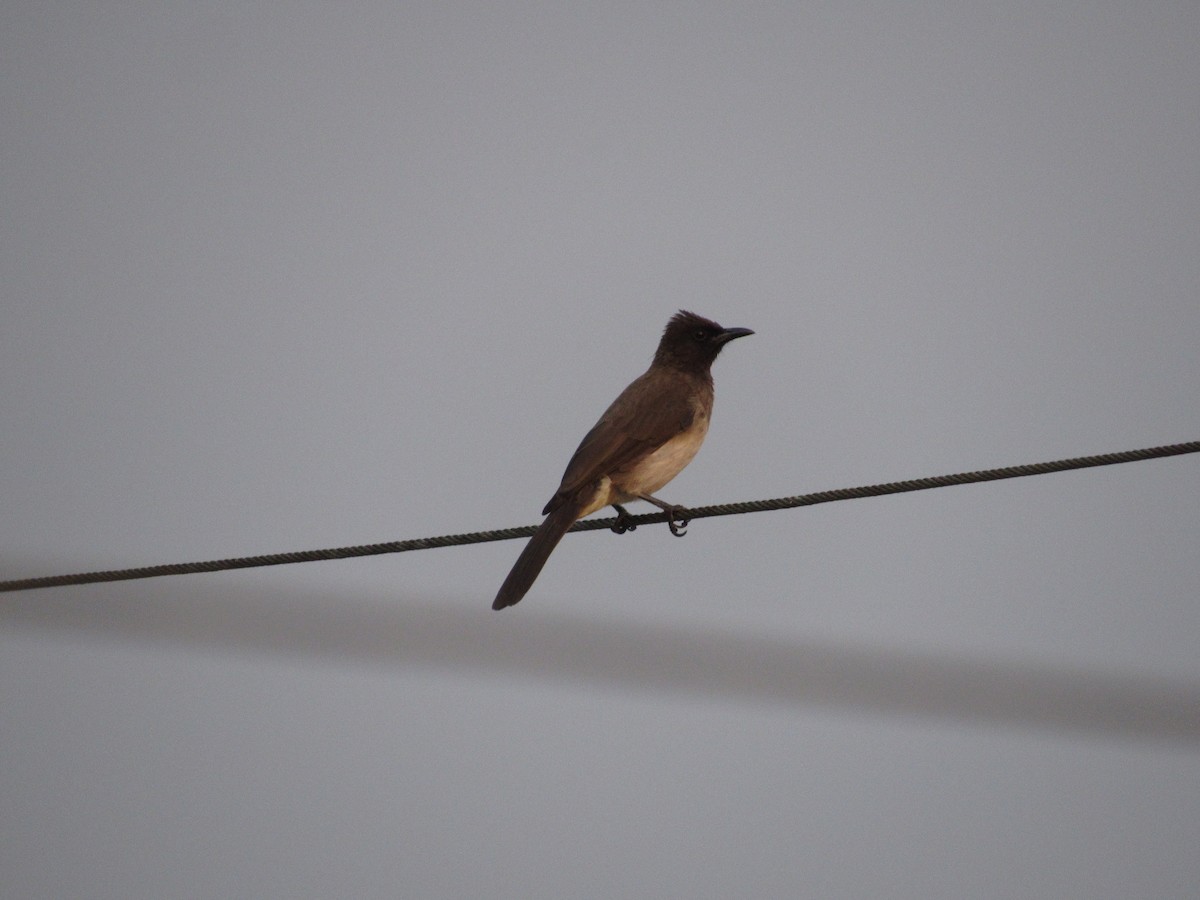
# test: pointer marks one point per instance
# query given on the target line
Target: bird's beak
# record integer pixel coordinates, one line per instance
(730, 334)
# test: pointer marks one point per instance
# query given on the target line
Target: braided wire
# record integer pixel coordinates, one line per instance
(504, 534)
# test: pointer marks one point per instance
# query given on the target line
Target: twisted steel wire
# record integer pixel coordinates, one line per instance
(702, 512)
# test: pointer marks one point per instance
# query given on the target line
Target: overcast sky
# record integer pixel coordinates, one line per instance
(292, 276)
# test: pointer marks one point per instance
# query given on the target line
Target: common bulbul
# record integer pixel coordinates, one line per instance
(643, 440)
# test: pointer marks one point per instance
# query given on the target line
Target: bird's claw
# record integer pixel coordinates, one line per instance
(676, 522)
(624, 522)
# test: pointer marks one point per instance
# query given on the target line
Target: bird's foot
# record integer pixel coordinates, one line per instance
(624, 521)
(676, 515)
(677, 521)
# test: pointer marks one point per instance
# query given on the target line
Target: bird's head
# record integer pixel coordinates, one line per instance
(692, 342)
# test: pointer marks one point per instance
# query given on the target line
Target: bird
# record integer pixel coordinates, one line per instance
(644, 439)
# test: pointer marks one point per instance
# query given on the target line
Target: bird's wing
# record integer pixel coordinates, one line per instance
(637, 423)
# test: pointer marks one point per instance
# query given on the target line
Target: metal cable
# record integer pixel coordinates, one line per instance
(702, 512)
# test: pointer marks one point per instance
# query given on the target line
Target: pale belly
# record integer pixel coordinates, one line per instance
(653, 471)
(665, 463)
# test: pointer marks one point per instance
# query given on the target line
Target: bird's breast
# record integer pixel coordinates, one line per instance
(658, 467)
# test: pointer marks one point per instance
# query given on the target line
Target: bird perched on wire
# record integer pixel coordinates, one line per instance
(643, 440)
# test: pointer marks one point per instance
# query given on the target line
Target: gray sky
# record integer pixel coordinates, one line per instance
(280, 277)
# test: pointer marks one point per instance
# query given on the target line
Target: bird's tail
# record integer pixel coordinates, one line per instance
(529, 564)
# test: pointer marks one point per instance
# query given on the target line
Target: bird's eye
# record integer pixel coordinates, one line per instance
(700, 334)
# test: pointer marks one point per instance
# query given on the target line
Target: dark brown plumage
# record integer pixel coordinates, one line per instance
(643, 440)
